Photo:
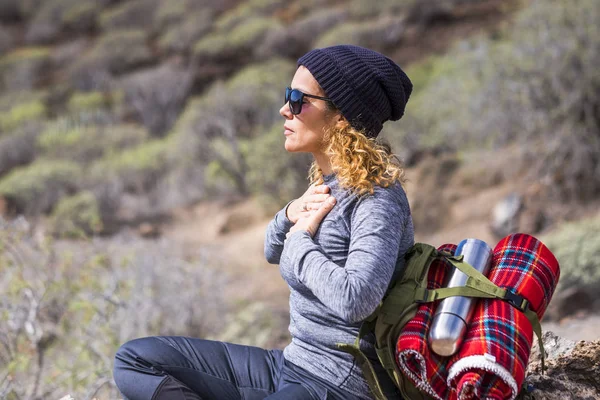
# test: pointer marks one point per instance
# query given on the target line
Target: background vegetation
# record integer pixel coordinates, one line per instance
(116, 114)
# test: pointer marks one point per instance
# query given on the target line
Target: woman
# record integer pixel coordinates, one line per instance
(337, 247)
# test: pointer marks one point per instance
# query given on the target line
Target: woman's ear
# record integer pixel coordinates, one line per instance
(340, 121)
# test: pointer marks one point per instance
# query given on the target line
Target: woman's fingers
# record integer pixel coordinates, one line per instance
(318, 215)
(310, 201)
(320, 189)
(310, 220)
(316, 199)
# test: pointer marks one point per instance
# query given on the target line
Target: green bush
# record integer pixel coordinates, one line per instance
(87, 101)
(216, 129)
(177, 12)
(53, 16)
(576, 246)
(18, 147)
(292, 40)
(181, 37)
(377, 35)
(236, 44)
(122, 50)
(367, 9)
(82, 17)
(28, 8)
(24, 68)
(274, 175)
(137, 169)
(245, 11)
(248, 34)
(114, 53)
(85, 143)
(21, 114)
(76, 216)
(252, 97)
(420, 12)
(135, 14)
(213, 47)
(36, 188)
(157, 95)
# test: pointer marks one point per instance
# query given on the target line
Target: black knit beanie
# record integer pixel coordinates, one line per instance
(366, 86)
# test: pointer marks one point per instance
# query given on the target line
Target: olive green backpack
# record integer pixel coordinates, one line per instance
(400, 304)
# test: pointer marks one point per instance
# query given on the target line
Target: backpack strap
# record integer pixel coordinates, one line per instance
(361, 359)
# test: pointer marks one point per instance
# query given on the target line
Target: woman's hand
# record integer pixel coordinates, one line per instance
(311, 200)
(311, 220)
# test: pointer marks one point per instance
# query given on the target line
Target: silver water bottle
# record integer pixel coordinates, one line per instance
(454, 313)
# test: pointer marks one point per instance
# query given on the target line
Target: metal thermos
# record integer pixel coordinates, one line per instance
(453, 313)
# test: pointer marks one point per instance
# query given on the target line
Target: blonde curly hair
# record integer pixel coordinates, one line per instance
(360, 163)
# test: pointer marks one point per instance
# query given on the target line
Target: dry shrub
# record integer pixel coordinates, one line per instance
(157, 95)
(537, 87)
(235, 47)
(431, 206)
(136, 169)
(180, 37)
(18, 148)
(135, 14)
(36, 188)
(296, 39)
(67, 53)
(274, 175)
(114, 53)
(214, 128)
(377, 34)
(22, 114)
(6, 40)
(120, 51)
(246, 10)
(176, 12)
(9, 10)
(66, 307)
(24, 68)
(54, 16)
(76, 217)
(28, 8)
(86, 143)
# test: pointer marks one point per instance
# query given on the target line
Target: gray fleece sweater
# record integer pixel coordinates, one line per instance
(338, 277)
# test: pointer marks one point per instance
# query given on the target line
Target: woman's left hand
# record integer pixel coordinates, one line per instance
(311, 222)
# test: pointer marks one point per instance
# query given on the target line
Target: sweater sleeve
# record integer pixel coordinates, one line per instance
(354, 290)
(275, 235)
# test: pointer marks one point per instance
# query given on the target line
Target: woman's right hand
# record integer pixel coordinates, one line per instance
(309, 201)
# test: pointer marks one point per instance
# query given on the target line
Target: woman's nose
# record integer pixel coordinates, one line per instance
(285, 112)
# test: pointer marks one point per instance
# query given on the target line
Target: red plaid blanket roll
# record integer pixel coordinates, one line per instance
(492, 360)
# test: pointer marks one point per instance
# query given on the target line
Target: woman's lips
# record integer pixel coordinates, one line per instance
(288, 131)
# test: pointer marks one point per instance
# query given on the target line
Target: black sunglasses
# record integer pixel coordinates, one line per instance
(296, 98)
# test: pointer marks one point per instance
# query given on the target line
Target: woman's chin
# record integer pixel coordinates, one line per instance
(290, 146)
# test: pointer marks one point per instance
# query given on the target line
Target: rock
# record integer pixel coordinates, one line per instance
(149, 231)
(505, 218)
(570, 301)
(572, 370)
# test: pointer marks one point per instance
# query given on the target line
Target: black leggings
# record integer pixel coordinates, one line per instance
(180, 368)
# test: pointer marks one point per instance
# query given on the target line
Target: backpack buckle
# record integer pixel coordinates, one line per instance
(519, 302)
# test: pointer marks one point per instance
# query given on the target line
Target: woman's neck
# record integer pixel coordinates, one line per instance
(324, 163)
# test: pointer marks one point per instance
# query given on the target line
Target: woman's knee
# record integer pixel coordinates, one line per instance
(137, 371)
(135, 356)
